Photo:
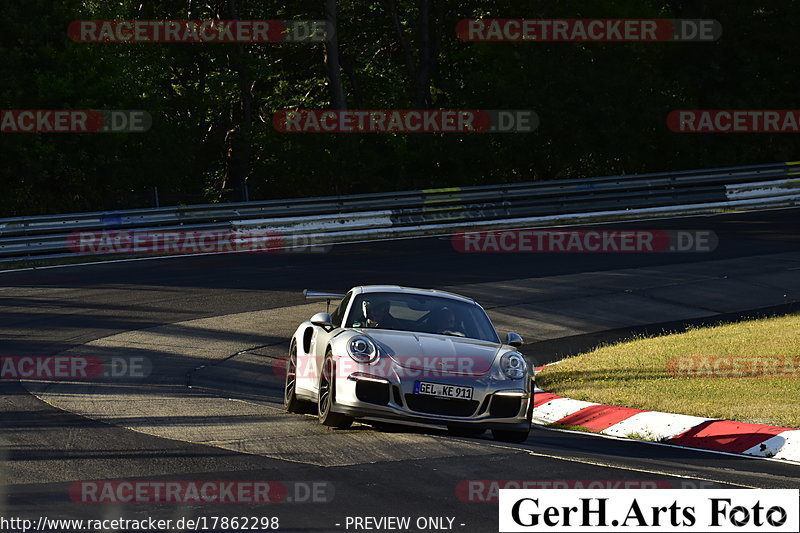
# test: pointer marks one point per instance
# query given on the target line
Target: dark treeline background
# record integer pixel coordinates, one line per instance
(602, 106)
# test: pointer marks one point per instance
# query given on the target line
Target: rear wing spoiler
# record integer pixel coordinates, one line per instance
(316, 295)
(327, 296)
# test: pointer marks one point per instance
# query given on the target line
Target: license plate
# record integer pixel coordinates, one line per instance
(443, 391)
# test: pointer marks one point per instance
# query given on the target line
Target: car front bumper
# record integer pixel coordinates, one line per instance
(494, 404)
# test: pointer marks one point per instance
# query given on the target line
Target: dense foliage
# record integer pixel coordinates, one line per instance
(602, 106)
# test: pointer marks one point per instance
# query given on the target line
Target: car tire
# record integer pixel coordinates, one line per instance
(327, 397)
(291, 402)
(462, 431)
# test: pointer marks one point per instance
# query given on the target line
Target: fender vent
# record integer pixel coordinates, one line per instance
(307, 334)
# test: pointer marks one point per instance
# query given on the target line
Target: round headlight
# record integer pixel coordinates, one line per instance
(513, 365)
(362, 349)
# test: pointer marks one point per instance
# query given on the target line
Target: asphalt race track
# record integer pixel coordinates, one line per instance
(214, 329)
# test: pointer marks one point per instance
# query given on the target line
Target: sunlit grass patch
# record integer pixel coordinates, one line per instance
(745, 371)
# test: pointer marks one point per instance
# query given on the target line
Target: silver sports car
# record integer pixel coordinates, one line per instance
(405, 354)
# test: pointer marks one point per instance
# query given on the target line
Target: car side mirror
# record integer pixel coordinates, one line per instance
(514, 339)
(323, 320)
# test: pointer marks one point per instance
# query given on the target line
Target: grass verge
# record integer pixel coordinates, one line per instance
(747, 371)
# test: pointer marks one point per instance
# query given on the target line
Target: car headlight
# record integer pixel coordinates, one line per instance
(362, 349)
(513, 365)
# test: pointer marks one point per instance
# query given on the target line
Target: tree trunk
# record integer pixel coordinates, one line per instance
(332, 58)
(422, 62)
(240, 141)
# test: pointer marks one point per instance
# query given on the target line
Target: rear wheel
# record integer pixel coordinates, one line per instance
(291, 402)
(327, 397)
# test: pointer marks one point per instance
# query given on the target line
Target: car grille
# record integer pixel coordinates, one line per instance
(440, 406)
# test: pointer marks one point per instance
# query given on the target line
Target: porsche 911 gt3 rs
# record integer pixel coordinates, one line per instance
(417, 355)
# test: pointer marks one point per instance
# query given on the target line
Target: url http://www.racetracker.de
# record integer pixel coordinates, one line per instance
(200, 523)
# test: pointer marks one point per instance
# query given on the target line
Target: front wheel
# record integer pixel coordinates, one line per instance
(327, 397)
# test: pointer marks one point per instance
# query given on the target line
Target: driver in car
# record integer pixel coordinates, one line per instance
(445, 322)
(377, 314)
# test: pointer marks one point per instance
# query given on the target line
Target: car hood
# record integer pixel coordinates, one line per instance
(436, 353)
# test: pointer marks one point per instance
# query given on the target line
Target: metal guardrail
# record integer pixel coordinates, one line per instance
(421, 212)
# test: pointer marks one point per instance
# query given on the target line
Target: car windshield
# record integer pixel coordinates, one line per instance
(420, 313)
